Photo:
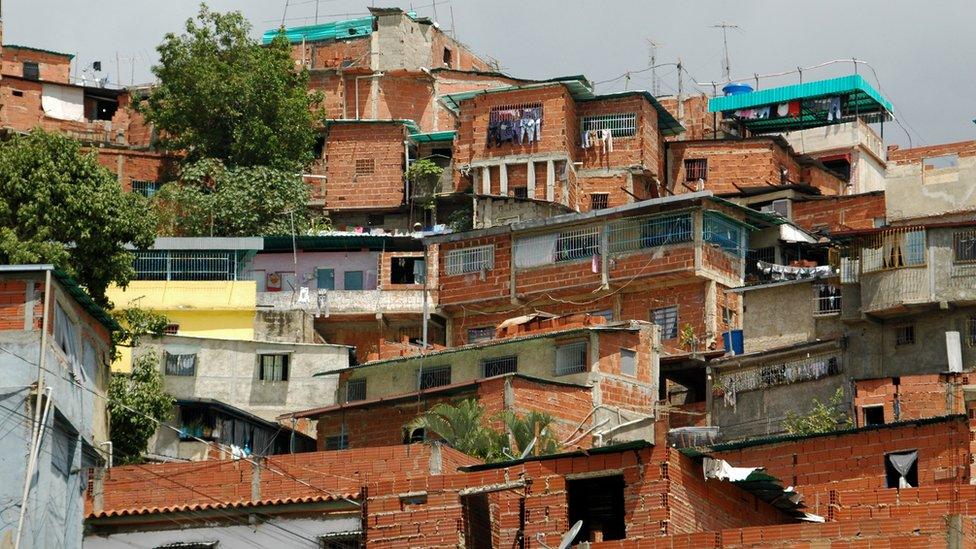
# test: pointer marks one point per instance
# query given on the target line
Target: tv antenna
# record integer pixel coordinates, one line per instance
(566, 540)
(652, 47)
(725, 42)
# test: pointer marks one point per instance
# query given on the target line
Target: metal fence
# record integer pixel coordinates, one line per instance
(649, 232)
(470, 260)
(169, 265)
(724, 233)
(806, 369)
(891, 249)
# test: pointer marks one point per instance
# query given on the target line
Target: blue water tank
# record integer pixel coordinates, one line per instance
(734, 341)
(736, 88)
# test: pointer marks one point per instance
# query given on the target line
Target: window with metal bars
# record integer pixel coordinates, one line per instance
(470, 260)
(355, 390)
(905, 335)
(649, 232)
(667, 319)
(599, 201)
(498, 366)
(893, 249)
(481, 334)
(571, 358)
(827, 298)
(724, 233)
(435, 377)
(620, 124)
(146, 188)
(365, 166)
(577, 244)
(185, 265)
(696, 168)
(964, 246)
(344, 540)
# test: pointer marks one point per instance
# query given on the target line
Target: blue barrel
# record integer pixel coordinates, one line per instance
(734, 341)
(736, 88)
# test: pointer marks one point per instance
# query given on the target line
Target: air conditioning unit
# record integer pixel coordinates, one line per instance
(779, 207)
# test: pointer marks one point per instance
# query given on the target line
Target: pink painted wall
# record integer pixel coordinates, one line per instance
(308, 262)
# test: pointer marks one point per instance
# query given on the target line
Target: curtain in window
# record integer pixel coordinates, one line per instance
(534, 251)
(180, 364)
(903, 464)
(66, 337)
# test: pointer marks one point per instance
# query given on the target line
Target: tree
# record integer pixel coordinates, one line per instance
(821, 418)
(222, 95)
(59, 206)
(460, 426)
(522, 429)
(213, 200)
(137, 404)
(135, 323)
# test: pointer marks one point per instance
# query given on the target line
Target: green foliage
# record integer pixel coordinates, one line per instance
(460, 220)
(137, 402)
(213, 200)
(462, 426)
(59, 206)
(821, 418)
(222, 95)
(423, 176)
(687, 338)
(136, 323)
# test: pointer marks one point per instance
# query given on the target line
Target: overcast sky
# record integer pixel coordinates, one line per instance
(924, 52)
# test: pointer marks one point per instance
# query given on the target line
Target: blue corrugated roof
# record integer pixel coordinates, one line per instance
(336, 30)
(850, 84)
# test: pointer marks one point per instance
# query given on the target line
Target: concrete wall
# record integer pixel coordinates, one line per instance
(784, 315)
(856, 138)
(227, 370)
(914, 190)
(308, 262)
(492, 211)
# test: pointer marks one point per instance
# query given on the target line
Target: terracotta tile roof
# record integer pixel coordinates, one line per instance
(192, 507)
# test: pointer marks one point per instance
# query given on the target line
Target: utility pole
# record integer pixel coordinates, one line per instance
(652, 47)
(725, 42)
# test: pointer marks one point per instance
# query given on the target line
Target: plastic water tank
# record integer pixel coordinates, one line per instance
(734, 341)
(736, 88)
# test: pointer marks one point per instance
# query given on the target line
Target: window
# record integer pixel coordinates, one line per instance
(435, 377)
(577, 244)
(606, 314)
(649, 232)
(181, 364)
(964, 246)
(599, 201)
(873, 415)
(620, 125)
(66, 337)
(407, 270)
(337, 442)
(571, 358)
(599, 503)
(352, 280)
(696, 168)
(894, 249)
(901, 469)
(971, 331)
(520, 192)
(447, 57)
(905, 335)
(273, 367)
(343, 540)
(375, 220)
(64, 446)
(628, 362)
(325, 279)
(365, 166)
(827, 298)
(667, 319)
(355, 390)
(32, 71)
(171, 329)
(413, 499)
(478, 335)
(17, 93)
(723, 233)
(777, 207)
(470, 260)
(498, 366)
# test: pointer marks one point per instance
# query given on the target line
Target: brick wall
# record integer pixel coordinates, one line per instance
(917, 396)
(132, 165)
(379, 149)
(840, 213)
(697, 121)
(53, 67)
(13, 299)
(898, 156)
(746, 163)
(463, 288)
(642, 149)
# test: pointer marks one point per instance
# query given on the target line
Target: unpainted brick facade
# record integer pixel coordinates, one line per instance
(136, 165)
(839, 213)
(364, 166)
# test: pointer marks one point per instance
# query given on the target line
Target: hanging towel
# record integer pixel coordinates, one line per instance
(794, 108)
(783, 109)
(833, 109)
(595, 263)
(762, 112)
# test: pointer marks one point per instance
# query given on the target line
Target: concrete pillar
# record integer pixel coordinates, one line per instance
(565, 198)
(711, 317)
(502, 179)
(485, 180)
(550, 180)
(530, 178)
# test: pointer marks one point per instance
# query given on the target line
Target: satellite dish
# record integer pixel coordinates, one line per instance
(528, 449)
(567, 539)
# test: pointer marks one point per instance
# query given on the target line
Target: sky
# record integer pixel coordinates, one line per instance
(922, 53)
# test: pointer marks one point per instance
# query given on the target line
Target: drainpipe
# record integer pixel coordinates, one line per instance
(356, 80)
(111, 452)
(31, 463)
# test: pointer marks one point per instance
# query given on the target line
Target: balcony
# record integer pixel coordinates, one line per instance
(346, 301)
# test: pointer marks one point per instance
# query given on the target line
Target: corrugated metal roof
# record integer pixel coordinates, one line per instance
(336, 30)
(195, 507)
(343, 242)
(433, 137)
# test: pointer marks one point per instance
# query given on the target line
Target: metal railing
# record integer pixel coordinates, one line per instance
(470, 260)
(806, 369)
(724, 233)
(826, 299)
(650, 232)
(185, 265)
(891, 249)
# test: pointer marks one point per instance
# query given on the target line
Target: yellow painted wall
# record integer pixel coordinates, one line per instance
(218, 309)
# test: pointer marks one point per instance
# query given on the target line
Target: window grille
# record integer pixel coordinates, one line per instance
(964, 246)
(806, 369)
(667, 319)
(577, 244)
(696, 168)
(723, 233)
(827, 299)
(355, 390)
(571, 358)
(435, 377)
(649, 232)
(365, 166)
(620, 125)
(146, 188)
(520, 192)
(273, 367)
(505, 123)
(481, 334)
(344, 540)
(905, 335)
(971, 331)
(181, 364)
(892, 249)
(470, 260)
(849, 269)
(173, 265)
(599, 201)
(498, 366)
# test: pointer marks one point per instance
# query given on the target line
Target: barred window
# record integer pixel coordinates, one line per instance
(577, 244)
(481, 334)
(905, 335)
(827, 298)
(181, 364)
(470, 260)
(498, 366)
(649, 232)
(964, 246)
(696, 168)
(435, 377)
(599, 201)
(971, 331)
(571, 358)
(893, 249)
(355, 390)
(365, 166)
(146, 188)
(620, 125)
(667, 319)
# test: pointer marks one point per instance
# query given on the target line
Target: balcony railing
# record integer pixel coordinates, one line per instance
(345, 301)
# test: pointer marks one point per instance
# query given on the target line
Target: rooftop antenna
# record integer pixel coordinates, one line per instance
(284, 12)
(652, 47)
(725, 42)
(316, 12)
(567, 538)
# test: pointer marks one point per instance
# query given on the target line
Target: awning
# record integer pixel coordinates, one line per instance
(336, 30)
(434, 137)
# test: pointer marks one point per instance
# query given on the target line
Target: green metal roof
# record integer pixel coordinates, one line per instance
(336, 30)
(342, 242)
(580, 90)
(433, 137)
(41, 50)
(81, 296)
(860, 96)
